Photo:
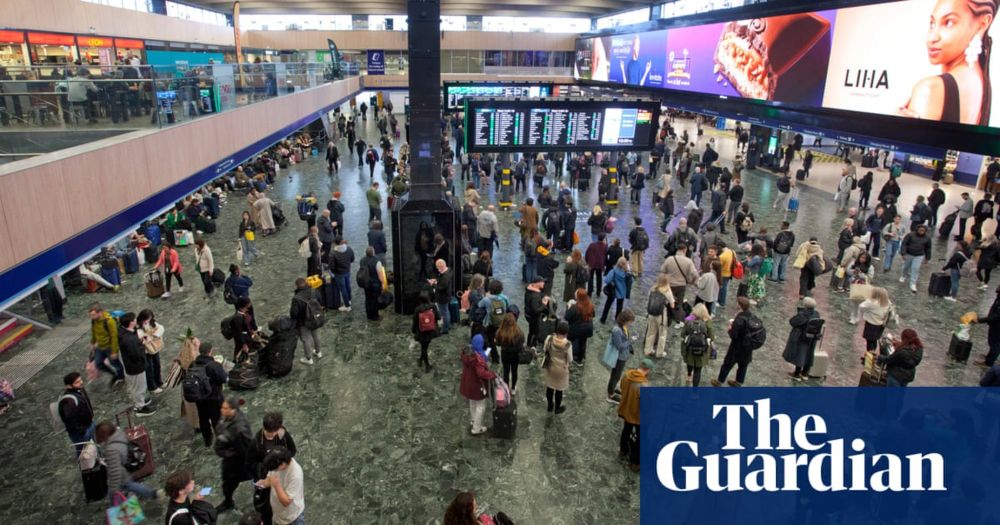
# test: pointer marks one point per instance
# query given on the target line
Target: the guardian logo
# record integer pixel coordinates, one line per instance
(791, 455)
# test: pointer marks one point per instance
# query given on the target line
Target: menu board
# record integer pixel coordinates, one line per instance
(455, 94)
(560, 125)
(910, 58)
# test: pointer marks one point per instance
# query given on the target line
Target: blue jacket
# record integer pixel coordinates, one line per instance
(698, 183)
(621, 342)
(240, 285)
(621, 284)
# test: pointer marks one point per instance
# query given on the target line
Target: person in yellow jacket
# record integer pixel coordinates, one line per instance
(628, 410)
(104, 343)
(727, 258)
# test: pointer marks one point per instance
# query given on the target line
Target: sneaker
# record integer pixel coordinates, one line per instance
(984, 286)
(951, 299)
(715, 382)
(343, 309)
(145, 411)
(165, 295)
(902, 279)
(876, 259)
(319, 355)
(180, 289)
(478, 431)
(158, 391)
(306, 361)
(913, 288)
(799, 378)
(733, 382)
(612, 400)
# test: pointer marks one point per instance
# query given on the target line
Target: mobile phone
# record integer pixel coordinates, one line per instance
(205, 491)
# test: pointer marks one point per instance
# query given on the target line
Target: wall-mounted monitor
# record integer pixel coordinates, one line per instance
(455, 93)
(560, 125)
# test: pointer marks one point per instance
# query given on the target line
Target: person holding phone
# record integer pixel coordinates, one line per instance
(182, 509)
(285, 480)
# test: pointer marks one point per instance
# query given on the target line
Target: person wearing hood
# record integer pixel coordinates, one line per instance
(271, 436)
(628, 410)
(915, 248)
(619, 280)
(476, 377)
(557, 355)
(341, 258)
(800, 349)
(232, 443)
(114, 445)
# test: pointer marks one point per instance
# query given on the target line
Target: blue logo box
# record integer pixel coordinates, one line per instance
(805, 456)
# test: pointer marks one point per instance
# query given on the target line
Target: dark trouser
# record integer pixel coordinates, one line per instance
(863, 201)
(695, 373)
(579, 348)
(510, 364)
(628, 445)
(994, 342)
(519, 184)
(801, 370)
(607, 308)
(636, 194)
(53, 304)
(180, 281)
(983, 274)
(371, 303)
(727, 365)
(116, 370)
(961, 227)
(933, 218)
(206, 280)
(616, 375)
(977, 228)
(554, 398)
(233, 473)
(486, 245)
(154, 379)
(80, 438)
(374, 214)
(533, 330)
(208, 416)
(324, 249)
(424, 359)
(594, 283)
(875, 243)
(371, 171)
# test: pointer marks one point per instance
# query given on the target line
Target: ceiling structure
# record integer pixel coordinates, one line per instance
(553, 8)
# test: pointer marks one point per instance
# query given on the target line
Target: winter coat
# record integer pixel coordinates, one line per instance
(697, 361)
(596, 253)
(916, 245)
(476, 376)
(569, 290)
(76, 413)
(299, 302)
(555, 373)
(233, 440)
(597, 223)
(132, 352)
(115, 455)
(619, 277)
(376, 239)
(628, 408)
(798, 350)
(902, 364)
(206, 263)
(326, 231)
(341, 258)
(578, 328)
(442, 290)
(216, 375)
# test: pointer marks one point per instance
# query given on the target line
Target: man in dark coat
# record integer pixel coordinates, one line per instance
(739, 353)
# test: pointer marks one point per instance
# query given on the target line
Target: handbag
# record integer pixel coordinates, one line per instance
(153, 345)
(525, 356)
(239, 251)
(610, 356)
(841, 272)
(547, 360)
(125, 511)
(860, 292)
(738, 270)
(248, 235)
(609, 289)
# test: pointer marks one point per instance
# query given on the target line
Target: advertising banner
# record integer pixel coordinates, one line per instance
(376, 62)
(780, 456)
(927, 59)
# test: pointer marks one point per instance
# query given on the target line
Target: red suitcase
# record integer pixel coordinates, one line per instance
(139, 435)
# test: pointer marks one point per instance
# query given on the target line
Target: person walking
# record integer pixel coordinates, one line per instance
(616, 287)
(248, 239)
(425, 328)
(739, 353)
(374, 198)
(212, 373)
(628, 410)
(487, 228)
(576, 274)
(982, 212)
(580, 317)
(901, 365)
(133, 357)
(114, 447)
(104, 344)
(233, 440)
(800, 348)
(658, 308)
(301, 311)
(915, 248)
(696, 342)
(170, 262)
(893, 233)
(620, 348)
(341, 259)
(270, 437)
(333, 156)
(958, 257)
(76, 411)
(476, 376)
(557, 355)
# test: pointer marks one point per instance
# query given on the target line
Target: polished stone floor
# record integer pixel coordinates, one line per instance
(380, 441)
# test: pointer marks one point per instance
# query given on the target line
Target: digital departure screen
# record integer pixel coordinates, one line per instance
(560, 125)
(456, 93)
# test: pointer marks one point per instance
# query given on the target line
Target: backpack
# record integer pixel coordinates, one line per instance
(305, 208)
(370, 157)
(426, 321)
(746, 225)
(363, 278)
(657, 303)
(56, 417)
(609, 225)
(497, 311)
(582, 275)
(227, 292)
(784, 184)
(783, 243)
(813, 329)
(136, 459)
(854, 183)
(641, 240)
(756, 333)
(314, 313)
(227, 327)
(304, 250)
(196, 385)
(697, 340)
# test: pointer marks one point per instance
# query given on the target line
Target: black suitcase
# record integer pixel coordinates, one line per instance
(95, 483)
(505, 421)
(800, 175)
(152, 253)
(947, 224)
(940, 284)
(959, 350)
(329, 297)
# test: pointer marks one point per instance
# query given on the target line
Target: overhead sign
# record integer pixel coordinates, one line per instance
(376, 62)
(455, 93)
(884, 58)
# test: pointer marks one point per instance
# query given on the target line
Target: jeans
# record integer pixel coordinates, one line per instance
(780, 265)
(891, 249)
(723, 288)
(101, 355)
(445, 312)
(874, 243)
(310, 341)
(956, 274)
(250, 251)
(911, 266)
(374, 214)
(734, 208)
(80, 438)
(892, 381)
(137, 389)
(142, 490)
(343, 282)
(530, 269)
(616, 374)
(301, 520)
(696, 197)
(477, 408)
(154, 378)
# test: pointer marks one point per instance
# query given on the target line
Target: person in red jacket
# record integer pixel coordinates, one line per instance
(476, 377)
(171, 265)
(596, 253)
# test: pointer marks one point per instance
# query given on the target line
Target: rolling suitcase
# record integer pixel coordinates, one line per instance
(959, 350)
(95, 483)
(131, 261)
(153, 234)
(328, 294)
(112, 274)
(821, 364)
(139, 435)
(800, 174)
(947, 224)
(940, 284)
(505, 421)
(154, 284)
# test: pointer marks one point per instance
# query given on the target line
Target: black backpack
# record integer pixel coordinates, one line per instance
(813, 329)
(697, 339)
(582, 275)
(641, 240)
(314, 318)
(363, 278)
(226, 327)
(784, 184)
(756, 333)
(657, 303)
(783, 243)
(227, 292)
(196, 385)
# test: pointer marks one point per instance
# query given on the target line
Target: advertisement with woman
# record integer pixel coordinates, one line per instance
(638, 59)
(933, 62)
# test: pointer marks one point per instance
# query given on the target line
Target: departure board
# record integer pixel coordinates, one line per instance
(560, 125)
(455, 93)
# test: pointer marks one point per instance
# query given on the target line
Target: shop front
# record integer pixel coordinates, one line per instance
(126, 48)
(96, 52)
(52, 51)
(12, 49)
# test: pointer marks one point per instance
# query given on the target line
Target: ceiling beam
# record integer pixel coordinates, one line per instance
(586, 8)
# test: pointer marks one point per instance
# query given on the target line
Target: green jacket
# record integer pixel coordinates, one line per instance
(104, 333)
(374, 198)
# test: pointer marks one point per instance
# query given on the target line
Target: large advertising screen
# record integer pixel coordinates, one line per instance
(456, 93)
(926, 59)
(560, 125)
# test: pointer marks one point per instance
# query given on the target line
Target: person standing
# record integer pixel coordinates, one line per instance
(341, 259)
(114, 446)
(76, 411)
(696, 342)
(638, 239)
(248, 239)
(580, 317)
(272, 435)
(965, 211)
(215, 376)
(901, 365)
(782, 248)
(893, 233)
(232, 443)
(847, 183)
(915, 248)
(285, 481)
(306, 327)
(374, 198)
(375, 285)
(104, 343)
(487, 228)
(865, 189)
(596, 252)
(314, 262)
(206, 265)
(875, 311)
(333, 155)
(935, 200)
(618, 282)
(961, 254)
(628, 410)
(326, 234)
(681, 272)
(735, 202)
(171, 264)
(476, 376)
(727, 259)
(425, 328)
(557, 355)
(989, 256)
(133, 356)
(621, 346)
(336, 213)
(800, 349)
(708, 285)
(151, 336)
(443, 293)
(739, 353)
(658, 308)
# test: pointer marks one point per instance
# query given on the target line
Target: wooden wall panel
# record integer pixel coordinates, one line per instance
(6, 245)
(33, 206)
